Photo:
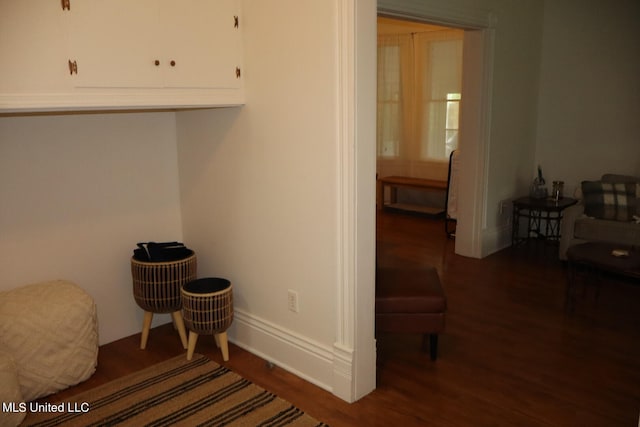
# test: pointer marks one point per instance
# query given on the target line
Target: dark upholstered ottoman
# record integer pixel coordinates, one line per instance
(411, 300)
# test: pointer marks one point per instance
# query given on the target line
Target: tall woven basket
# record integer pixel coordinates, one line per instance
(157, 285)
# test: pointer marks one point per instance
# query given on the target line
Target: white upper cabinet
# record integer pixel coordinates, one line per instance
(120, 54)
(155, 43)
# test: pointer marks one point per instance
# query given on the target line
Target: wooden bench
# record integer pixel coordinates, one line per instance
(395, 182)
(411, 300)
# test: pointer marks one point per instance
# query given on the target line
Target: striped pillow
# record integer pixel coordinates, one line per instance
(609, 200)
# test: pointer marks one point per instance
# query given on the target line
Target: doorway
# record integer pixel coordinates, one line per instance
(475, 110)
(358, 184)
(476, 113)
(419, 93)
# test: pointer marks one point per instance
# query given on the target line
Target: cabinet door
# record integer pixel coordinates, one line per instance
(155, 43)
(202, 40)
(32, 47)
(115, 43)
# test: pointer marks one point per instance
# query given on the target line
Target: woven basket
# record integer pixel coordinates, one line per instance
(207, 312)
(156, 285)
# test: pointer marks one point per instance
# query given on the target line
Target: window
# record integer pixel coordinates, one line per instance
(419, 94)
(452, 121)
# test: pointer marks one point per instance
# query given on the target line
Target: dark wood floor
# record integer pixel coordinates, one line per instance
(510, 356)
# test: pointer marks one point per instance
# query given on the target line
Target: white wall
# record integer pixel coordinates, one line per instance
(513, 107)
(259, 186)
(76, 194)
(590, 91)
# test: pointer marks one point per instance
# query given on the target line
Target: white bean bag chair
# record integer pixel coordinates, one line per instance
(50, 330)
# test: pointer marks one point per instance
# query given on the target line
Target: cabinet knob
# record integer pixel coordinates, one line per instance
(156, 62)
(173, 63)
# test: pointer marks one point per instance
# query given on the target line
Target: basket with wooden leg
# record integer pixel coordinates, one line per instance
(207, 307)
(157, 289)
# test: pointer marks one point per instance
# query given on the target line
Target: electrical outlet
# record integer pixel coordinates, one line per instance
(292, 299)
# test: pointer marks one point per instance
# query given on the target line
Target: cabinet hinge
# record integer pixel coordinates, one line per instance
(73, 67)
(66, 4)
(236, 21)
(238, 73)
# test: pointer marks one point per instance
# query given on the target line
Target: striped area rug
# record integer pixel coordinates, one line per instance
(176, 392)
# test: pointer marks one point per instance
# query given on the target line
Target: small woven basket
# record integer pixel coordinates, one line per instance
(156, 285)
(207, 305)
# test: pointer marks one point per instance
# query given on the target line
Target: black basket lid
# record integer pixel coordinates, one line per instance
(207, 285)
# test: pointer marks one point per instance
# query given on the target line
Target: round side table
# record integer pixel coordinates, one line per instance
(156, 289)
(207, 308)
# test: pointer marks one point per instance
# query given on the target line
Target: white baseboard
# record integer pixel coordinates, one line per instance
(343, 384)
(303, 357)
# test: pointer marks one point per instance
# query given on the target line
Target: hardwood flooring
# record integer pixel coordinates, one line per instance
(510, 355)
